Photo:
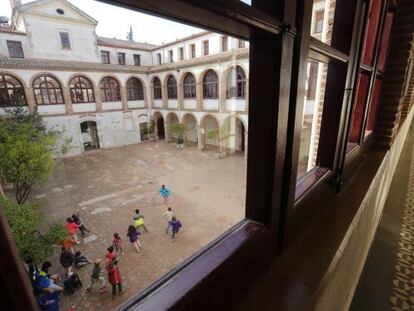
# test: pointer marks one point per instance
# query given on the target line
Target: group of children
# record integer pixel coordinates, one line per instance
(69, 258)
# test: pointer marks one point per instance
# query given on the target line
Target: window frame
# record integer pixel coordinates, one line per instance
(137, 59)
(172, 87)
(156, 89)
(134, 92)
(121, 58)
(19, 55)
(210, 88)
(114, 91)
(57, 91)
(65, 45)
(192, 48)
(189, 89)
(224, 43)
(4, 86)
(171, 56)
(206, 47)
(105, 54)
(181, 53)
(90, 97)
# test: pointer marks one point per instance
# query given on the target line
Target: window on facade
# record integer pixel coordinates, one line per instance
(47, 90)
(181, 53)
(312, 75)
(318, 22)
(11, 92)
(236, 83)
(64, 40)
(192, 50)
(323, 10)
(137, 59)
(171, 56)
(105, 58)
(205, 48)
(15, 49)
(224, 43)
(189, 86)
(110, 91)
(172, 87)
(81, 90)
(242, 44)
(121, 58)
(210, 84)
(156, 86)
(135, 90)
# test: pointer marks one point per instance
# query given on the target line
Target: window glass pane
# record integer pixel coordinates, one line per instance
(372, 113)
(322, 20)
(385, 41)
(371, 31)
(358, 110)
(312, 116)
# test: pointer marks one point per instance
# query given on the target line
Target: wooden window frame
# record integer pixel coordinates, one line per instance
(137, 59)
(110, 89)
(181, 53)
(159, 58)
(171, 56)
(192, 50)
(105, 55)
(82, 84)
(65, 44)
(11, 50)
(157, 88)
(224, 43)
(134, 91)
(206, 47)
(10, 91)
(121, 58)
(171, 87)
(190, 89)
(46, 80)
(210, 88)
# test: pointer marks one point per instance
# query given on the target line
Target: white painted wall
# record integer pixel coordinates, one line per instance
(85, 107)
(51, 109)
(211, 104)
(4, 52)
(111, 105)
(136, 104)
(190, 104)
(235, 104)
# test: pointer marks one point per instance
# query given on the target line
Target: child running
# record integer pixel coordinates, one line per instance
(168, 215)
(72, 229)
(133, 237)
(139, 220)
(76, 218)
(165, 193)
(176, 225)
(117, 243)
(96, 276)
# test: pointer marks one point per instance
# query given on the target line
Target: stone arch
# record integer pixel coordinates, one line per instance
(234, 134)
(225, 77)
(16, 76)
(94, 132)
(209, 124)
(13, 95)
(190, 122)
(82, 94)
(182, 75)
(159, 125)
(170, 118)
(80, 75)
(38, 74)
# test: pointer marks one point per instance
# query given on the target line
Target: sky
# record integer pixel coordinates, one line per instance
(115, 22)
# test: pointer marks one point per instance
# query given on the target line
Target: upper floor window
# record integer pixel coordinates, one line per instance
(318, 23)
(210, 84)
(159, 59)
(189, 86)
(134, 89)
(137, 60)
(171, 56)
(205, 48)
(47, 90)
(121, 58)
(236, 83)
(312, 78)
(192, 51)
(110, 90)
(15, 49)
(242, 44)
(172, 87)
(105, 57)
(81, 90)
(181, 53)
(224, 43)
(156, 85)
(11, 92)
(64, 40)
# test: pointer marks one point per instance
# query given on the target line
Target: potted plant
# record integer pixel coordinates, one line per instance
(177, 130)
(214, 135)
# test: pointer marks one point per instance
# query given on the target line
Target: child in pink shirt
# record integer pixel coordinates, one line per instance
(72, 228)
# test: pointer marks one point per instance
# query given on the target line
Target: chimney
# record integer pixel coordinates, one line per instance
(15, 3)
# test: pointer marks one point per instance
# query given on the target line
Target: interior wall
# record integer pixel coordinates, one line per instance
(341, 279)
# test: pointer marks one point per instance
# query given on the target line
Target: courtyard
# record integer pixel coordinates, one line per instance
(106, 186)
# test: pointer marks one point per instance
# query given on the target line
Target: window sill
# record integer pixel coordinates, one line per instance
(310, 180)
(187, 283)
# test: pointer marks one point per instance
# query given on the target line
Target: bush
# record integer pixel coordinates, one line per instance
(24, 221)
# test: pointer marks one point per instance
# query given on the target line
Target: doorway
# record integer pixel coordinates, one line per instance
(90, 135)
(160, 125)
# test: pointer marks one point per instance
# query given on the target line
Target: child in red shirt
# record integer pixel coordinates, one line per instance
(117, 244)
(72, 228)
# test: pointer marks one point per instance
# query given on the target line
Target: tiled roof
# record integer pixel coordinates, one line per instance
(125, 44)
(10, 29)
(28, 63)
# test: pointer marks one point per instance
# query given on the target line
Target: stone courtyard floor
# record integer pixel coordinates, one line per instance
(208, 196)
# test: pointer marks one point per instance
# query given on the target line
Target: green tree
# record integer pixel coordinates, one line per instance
(24, 222)
(178, 130)
(26, 151)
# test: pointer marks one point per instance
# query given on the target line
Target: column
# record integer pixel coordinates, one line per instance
(98, 98)
(68, 100)
(30, 99)
(164, 96)
(180, 96)
(199, 97)
(124, 98)
(246, 140)
(200, 135)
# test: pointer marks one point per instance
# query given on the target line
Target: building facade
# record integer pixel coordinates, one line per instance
(104, 93)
